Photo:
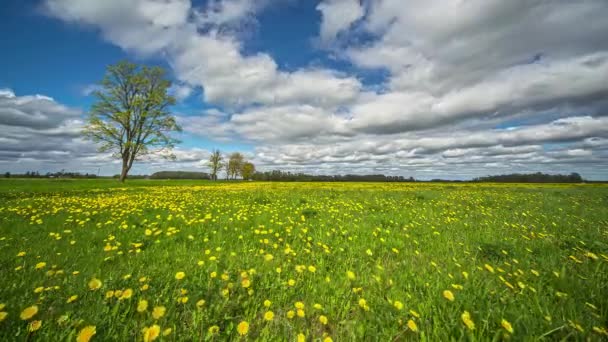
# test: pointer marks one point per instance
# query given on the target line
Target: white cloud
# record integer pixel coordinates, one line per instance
(337, 16)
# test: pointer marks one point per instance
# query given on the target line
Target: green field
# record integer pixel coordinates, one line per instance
(323, 261)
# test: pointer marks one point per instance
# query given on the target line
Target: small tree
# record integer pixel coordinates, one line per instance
(235, 164)
(248, 170)
(215, 163)
(131, 117)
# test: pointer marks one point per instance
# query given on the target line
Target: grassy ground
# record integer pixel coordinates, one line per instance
(341, 261)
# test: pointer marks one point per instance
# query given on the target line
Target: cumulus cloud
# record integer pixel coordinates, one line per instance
(455, 70)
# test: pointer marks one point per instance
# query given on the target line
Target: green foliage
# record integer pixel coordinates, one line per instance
(131, 116)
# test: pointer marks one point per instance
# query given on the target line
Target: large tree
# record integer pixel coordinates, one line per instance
(248, 170)
(131, 116)
(235, 164)
(215, 163)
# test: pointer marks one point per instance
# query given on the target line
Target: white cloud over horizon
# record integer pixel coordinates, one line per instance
(471, 88)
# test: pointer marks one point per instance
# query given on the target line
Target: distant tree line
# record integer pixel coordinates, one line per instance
(532, 178)
(179, 175)
(277, 175)
(60, 174)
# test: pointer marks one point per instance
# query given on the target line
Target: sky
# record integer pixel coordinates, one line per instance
(449, 89)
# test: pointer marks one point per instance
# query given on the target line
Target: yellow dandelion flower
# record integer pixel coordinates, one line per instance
(447, 294)
(109, 294)
(267, 303)
(2, 306)
(38, 289)
(299, 305)
(72, 299)
(245, 283)
(291, 282)
(95, 284)
(142, 305)
(300, 313)
(290, 314)
(158, 312)
(489, 268)
(269, 316)
(301, 338)
(312, 269)
(20, 254)
(167, 332)
(214, 329)
(506, 325)
(268, 257)
(40, 265)
(3, 315)
(328, 339)
(180, 275)
(86, 334)
(29, 312)
(398, 305)
(151, 333)
(466, 319)
(34, 325)
(412, 325)
(242, 328)
(323, 319)
(200, 303)
(126, 294)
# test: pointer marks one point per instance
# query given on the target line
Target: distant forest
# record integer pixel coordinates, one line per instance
(277, 175)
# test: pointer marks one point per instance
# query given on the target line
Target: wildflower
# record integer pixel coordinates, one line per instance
(447, 294)
(267, 303)
(363, 304)
(72, 299)
(243, 328)
(466, 319)
(142, 305)
(291, 282)
(489, 268)
(301, 337)
(299, 305)
(312, 269)
(506, 325)
(38, 289)
(245, 283)
(180, 275)
(86, 334)
(3, 315)
(269, 316)
(398, 305)
(291, 314)
(158, 312)
(300, 313)
(350, 275)
(109, 294)
(151, 333)
(323, 320)
(200, 303)
(29, 312)
(167, 332)
(268, 257)
(214, 329)
(412, 325)
(328, 339)
(126, 294)
(34, 325)
(21, 254)
(95, 284)
(40, 265)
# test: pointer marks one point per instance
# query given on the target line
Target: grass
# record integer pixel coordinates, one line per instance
(534, 256)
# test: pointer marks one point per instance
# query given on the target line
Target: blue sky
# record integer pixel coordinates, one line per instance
(415, 88)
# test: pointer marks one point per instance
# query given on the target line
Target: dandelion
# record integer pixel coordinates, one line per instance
(200, 303)
(20, 254)
(299, 305)
(323, 319)
(245, 283)
(86, 334)
(269, 316)
(447, 294)
(489, 268)
(34, 325)
(29, 312)
(109, 294)
(180, 275)
(300, 313)
(3, 315)
(214, 329)
(350, 275)
(398, 305)
(242, 328)
(301, 338)
(95, 284)
(126, 294)
(290, 314)
(363, 304)
(167, 332)
(506, 325)
(142, 305)
(40, 265)
(268, 257)
(72, 299)
(312, 269)
(466, 319)
(267, 303)
(412, 325)
(291, 282)
(328, 339)
(158, 312)
(151, 333)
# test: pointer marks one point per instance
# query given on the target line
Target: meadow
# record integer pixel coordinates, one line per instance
(198, 261)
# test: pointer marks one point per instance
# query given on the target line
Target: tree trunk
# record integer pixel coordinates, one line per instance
(125, 170)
